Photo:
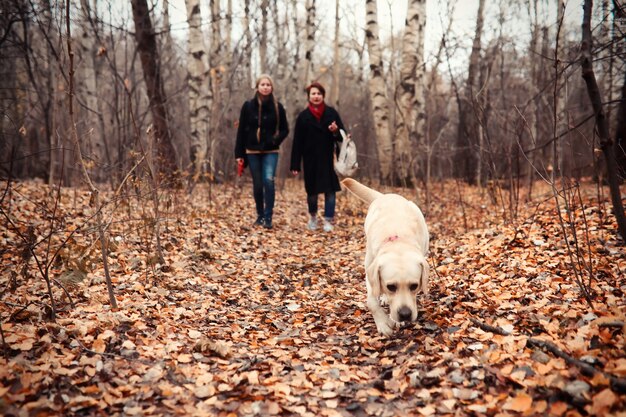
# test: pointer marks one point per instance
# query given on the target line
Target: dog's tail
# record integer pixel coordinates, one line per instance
(364, 193)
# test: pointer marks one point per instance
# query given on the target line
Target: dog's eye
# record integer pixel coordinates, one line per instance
(413, 287)
(392, 287)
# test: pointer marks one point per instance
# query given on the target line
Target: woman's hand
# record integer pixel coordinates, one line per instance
(333, 127)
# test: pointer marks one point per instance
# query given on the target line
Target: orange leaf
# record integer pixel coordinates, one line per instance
(522, 403)
(603, 402)
(99, 346)
(558, 408)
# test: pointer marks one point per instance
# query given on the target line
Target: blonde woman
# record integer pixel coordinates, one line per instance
(262, 128)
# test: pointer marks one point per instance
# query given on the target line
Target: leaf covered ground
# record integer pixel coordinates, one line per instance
(242, 321)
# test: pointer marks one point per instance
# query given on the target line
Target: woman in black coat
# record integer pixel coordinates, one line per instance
(262, 128)
(314, 143)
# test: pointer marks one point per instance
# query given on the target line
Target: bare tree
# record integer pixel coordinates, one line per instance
(410, 113)
(262, 31)
(199, 85)
(334, 90)
(620, 133)
(602, 126)
(378, 92)
(559, 95)
(88, 87)
(247, 60)
(466, 158)
(95, 193)
(228, 30)
(310, 41)
(148, 53)
(10, 113)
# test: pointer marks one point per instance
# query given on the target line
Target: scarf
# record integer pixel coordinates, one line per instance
(317, 112)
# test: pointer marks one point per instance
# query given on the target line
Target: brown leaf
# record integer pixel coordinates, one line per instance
(522, 402)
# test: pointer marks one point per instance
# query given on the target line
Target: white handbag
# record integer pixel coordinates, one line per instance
(346, 163)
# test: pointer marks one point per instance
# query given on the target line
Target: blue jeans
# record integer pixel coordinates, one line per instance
(329, 204)
(263, 170)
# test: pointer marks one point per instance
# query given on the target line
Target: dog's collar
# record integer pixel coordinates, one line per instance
(391, 238)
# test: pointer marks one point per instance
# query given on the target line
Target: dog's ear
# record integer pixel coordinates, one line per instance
(424, 277)
(373, 278)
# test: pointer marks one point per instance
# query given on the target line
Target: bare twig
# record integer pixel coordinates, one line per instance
(488, 328)
(617, 384)
(95, 193)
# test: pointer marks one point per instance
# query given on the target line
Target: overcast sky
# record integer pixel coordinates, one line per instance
(392, 14)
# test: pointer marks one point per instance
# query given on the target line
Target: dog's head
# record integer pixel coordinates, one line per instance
(399, 276)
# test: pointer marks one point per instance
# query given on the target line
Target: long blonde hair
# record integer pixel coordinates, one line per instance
(256, 86)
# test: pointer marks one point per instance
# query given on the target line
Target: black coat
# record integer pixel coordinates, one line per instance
(269, 139)
(314, 144)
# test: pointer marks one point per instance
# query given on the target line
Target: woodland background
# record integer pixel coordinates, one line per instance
(132, 282)
(501, 103)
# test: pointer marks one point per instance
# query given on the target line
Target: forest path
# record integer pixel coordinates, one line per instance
(245, 321)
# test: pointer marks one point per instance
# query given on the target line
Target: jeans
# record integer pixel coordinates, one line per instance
(263, 170)
(329, 204)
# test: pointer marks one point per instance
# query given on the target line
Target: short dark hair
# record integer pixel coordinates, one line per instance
(318, 86)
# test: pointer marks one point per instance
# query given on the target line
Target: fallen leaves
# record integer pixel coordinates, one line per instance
(245, 321)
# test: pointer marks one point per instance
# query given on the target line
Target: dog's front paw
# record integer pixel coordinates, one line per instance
(385, 325)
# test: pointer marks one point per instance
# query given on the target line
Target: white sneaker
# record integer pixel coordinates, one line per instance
(312, 224)
(328, 226)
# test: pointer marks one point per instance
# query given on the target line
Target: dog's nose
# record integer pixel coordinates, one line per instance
(404, 314)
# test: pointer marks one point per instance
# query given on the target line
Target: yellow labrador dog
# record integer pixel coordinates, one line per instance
(395, 257)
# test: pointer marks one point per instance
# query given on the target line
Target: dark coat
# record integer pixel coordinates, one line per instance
(269, 139)
(314, 144)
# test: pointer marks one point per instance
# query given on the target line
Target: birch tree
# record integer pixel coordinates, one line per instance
(228, 30)
(263, 37)
(216, 34)
(466, 158)
(410, 115)
(310, 41)
(560, 94)
(247, 61)
(334, 90)
(535, 85)
(378, 92)
(167, 29)
(296, 82)
(87, 88)
(281, 36)
(216, 74)
(200, 98)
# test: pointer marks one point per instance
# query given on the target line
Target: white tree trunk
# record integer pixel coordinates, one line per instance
(281, 36)
(298, 78)
(200, 94)
(531, 113)
(248, 48)
(263, 37)
(310, 41)
(216, 75)
(87, 86)
(378, 92)
(334, 92)
(560, 89)
(410, 116)
(228, 30)
(216, 35)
